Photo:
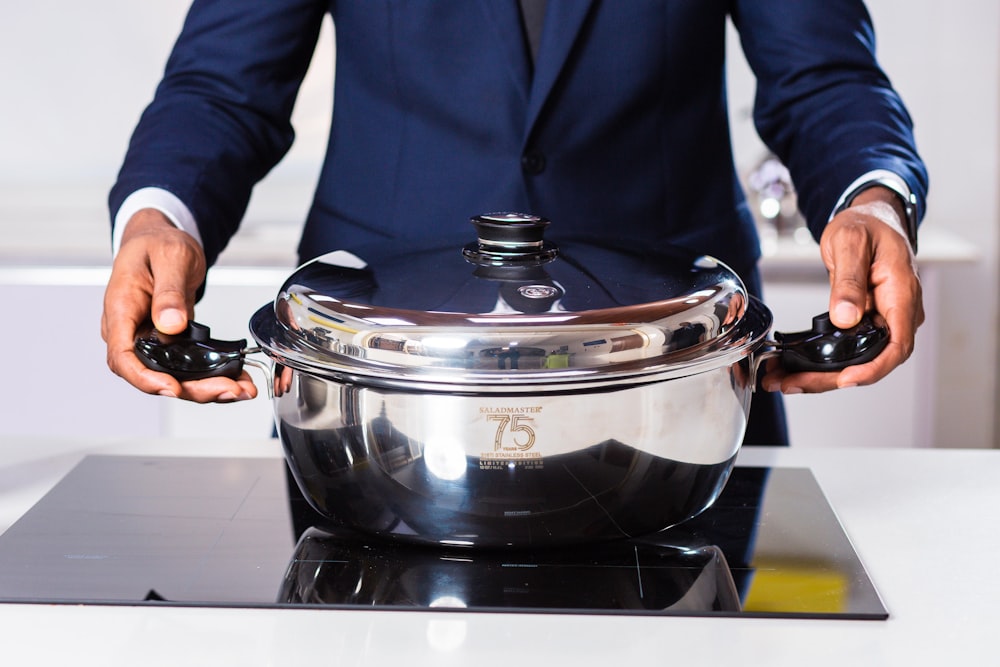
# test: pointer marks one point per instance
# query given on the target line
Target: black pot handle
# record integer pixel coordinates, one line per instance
(195, 355)
(827, 348)
(192, 354)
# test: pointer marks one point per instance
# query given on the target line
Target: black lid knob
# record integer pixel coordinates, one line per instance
(507, 239)
(510, 231)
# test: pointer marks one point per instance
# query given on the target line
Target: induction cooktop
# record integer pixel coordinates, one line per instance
(233, 532)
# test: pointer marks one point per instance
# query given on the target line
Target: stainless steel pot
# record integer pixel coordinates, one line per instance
(513, 392)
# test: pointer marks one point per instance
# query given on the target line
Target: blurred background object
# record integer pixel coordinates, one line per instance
(771, 195)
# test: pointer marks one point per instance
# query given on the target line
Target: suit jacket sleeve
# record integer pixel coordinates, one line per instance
(220, 118)
(823, 104)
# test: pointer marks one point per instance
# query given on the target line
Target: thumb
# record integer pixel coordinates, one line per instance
(848, 292)
(847, 255)
(173, 300)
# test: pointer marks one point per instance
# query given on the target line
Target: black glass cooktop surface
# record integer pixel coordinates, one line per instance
(228, 533)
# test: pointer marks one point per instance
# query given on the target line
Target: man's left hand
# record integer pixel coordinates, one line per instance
(872, 268)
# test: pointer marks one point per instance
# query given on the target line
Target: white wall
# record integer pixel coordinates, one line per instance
(75, 78)
(944, 59)
(77, 75)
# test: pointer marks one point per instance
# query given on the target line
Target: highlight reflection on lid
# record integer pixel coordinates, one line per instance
(506, 308)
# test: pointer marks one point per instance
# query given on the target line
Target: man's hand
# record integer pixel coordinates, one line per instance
(871, 267)
(154, 278)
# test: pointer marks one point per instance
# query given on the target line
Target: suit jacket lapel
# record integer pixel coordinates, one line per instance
(563, 22)
(505, 18)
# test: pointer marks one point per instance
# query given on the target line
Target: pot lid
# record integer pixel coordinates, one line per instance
(510, 307)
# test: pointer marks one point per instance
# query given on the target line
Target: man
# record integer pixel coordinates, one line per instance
(606, 117)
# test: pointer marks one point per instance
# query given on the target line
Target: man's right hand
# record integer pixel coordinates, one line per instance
(155, 277)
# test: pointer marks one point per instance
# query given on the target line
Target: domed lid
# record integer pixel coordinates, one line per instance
(510, 308)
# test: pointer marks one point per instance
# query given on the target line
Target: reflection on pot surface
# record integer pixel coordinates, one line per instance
(521, 470)
(331, 569)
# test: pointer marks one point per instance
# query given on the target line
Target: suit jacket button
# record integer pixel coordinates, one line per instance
(533, 162)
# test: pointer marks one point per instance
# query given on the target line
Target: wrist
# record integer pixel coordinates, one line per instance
(888, 189)
(878, 193)
(166, 203)
(145, 221)
(883, 206)
(151, 229)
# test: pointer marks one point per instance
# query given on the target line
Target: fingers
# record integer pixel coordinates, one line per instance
(154, 279)
(849, 278)
(813, 383)
(169, 308)
(218, 390)
(871, 268)
(127, 301)
(177, 268)
(848, 250)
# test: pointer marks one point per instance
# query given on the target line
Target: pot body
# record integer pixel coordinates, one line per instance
(553, 466)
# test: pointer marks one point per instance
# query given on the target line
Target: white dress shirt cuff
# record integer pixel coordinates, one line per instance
(156, 198)
(895, 183)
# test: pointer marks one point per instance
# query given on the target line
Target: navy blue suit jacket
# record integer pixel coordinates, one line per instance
(620, 128)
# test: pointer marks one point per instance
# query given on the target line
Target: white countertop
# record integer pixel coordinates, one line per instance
(924, 522)
(67, 226)
(789, 255)
(263, 256)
